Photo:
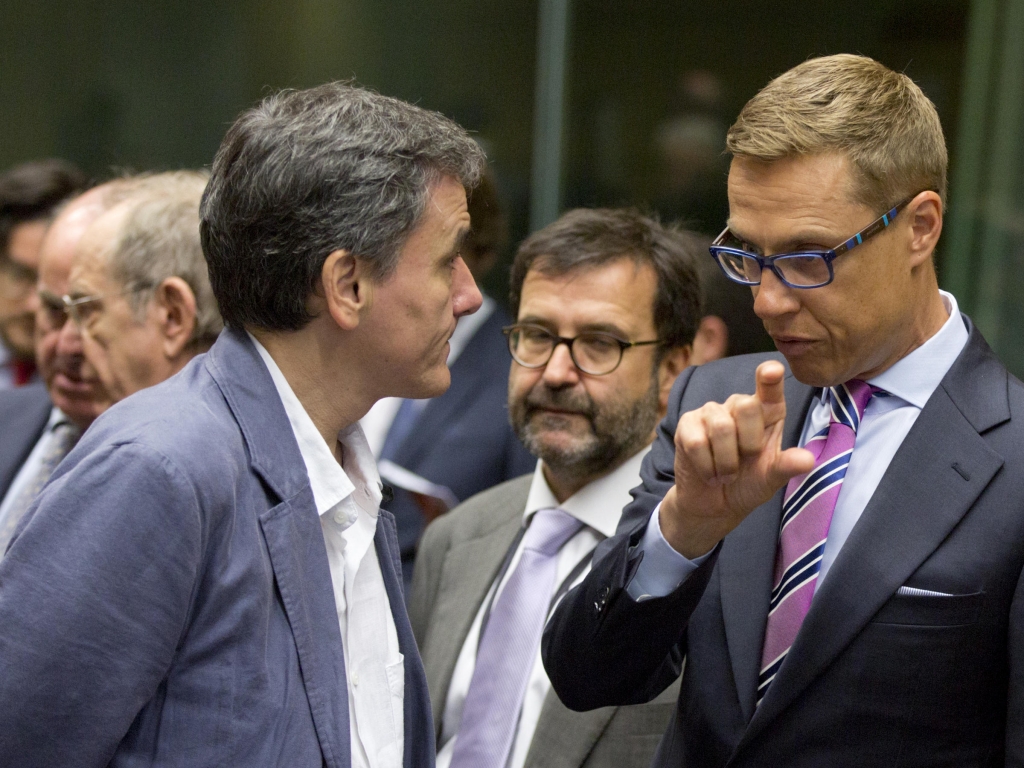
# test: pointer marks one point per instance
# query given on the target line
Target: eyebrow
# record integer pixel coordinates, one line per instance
(791, 243)
(460, 242)
(609, 328)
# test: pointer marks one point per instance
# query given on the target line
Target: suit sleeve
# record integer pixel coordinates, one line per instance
(95, 595)
(602, 648)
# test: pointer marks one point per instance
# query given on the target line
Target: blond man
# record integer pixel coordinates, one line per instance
(830, 538)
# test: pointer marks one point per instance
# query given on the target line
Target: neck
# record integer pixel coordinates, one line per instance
(311, 363)
(924, 324)
(567, 483)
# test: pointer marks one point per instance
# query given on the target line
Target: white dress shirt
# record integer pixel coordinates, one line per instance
(347, 500)
(30, 468)
(885, 424)
(597, 506)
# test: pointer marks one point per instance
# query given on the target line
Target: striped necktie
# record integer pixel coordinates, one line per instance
(807, 511)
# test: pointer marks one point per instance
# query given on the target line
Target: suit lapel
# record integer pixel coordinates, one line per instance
(746, 564)
(939, 471)
(299, 559)
(293, 535)
(568, 735)
(469, 568)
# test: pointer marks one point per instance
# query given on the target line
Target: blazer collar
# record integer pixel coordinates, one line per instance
(940, 470)
(247, 386)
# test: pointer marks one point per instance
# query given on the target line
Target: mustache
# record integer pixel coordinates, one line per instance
(542, 397)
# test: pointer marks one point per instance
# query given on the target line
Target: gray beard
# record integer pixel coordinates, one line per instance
(616, 432)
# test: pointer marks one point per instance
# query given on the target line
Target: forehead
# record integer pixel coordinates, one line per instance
(24, 242)
(796, 196)
(620, 292)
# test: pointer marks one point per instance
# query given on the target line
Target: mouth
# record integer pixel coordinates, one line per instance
(793, 345)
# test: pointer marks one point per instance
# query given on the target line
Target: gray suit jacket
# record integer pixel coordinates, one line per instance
(23, 415)
(459, 557)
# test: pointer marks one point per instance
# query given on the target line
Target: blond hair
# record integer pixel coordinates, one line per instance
(851, 105)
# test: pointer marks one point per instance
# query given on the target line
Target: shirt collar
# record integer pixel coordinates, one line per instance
(597, 504)
(329, 482)
(915, 377)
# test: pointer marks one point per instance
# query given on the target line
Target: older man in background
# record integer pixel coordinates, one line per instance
(29, 193)
(41, 424)
(607, 304)
(140, 291)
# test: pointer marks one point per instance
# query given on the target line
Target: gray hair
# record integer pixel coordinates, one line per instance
(159, 238)
(306, 173)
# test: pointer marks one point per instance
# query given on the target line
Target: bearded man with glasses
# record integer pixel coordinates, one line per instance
(607, 303)
(831, 538)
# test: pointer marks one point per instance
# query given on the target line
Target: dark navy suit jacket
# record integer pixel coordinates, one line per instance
(932, 676)
(462, 439)
(24, 412)
(169, 600)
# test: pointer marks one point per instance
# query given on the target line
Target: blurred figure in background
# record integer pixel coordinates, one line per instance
(607, 304)
(690, 145)
(729, 326)
(28, 195)
(437, 453)
(140, 290)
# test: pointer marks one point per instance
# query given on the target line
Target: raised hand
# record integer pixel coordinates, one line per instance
(729, 460)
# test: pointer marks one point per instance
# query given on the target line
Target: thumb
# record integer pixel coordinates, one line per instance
(788, 464)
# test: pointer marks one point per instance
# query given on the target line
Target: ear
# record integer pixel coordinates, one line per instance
(673, 362)
(711, 341)
(176, 312)
(347, 288)
(925, 216)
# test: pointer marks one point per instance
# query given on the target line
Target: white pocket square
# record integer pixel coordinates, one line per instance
(915, 592)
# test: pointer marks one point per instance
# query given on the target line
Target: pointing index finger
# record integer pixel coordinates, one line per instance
(770, 390)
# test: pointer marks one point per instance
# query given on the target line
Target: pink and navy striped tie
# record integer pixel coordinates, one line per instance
(807, 511)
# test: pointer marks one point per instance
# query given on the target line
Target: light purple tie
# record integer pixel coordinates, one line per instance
(509, 646)
(807, 511)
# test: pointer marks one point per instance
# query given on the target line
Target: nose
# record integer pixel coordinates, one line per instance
(773, 298)
(561, 371)
(70, 340)
(466, 297)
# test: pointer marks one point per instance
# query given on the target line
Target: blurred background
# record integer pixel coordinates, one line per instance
(577, 102)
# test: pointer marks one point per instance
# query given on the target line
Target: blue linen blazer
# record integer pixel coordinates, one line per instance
(168, 599)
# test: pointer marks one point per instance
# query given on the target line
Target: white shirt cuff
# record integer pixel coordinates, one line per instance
(662, 569)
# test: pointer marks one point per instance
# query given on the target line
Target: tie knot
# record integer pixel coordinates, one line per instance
(549, 530)
(849, 400)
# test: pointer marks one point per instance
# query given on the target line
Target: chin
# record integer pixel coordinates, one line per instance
(435, 384)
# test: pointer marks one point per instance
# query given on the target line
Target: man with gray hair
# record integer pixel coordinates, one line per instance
(208, 579)
(139, 288)
(830, 538)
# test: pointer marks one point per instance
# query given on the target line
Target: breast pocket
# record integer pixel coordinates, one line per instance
(931, 610)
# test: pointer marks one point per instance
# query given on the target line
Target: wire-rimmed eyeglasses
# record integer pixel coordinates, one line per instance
(801, 269)
(594, 352)
(81, 309)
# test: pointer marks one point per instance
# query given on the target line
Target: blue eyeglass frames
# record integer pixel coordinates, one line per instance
(803, 269)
